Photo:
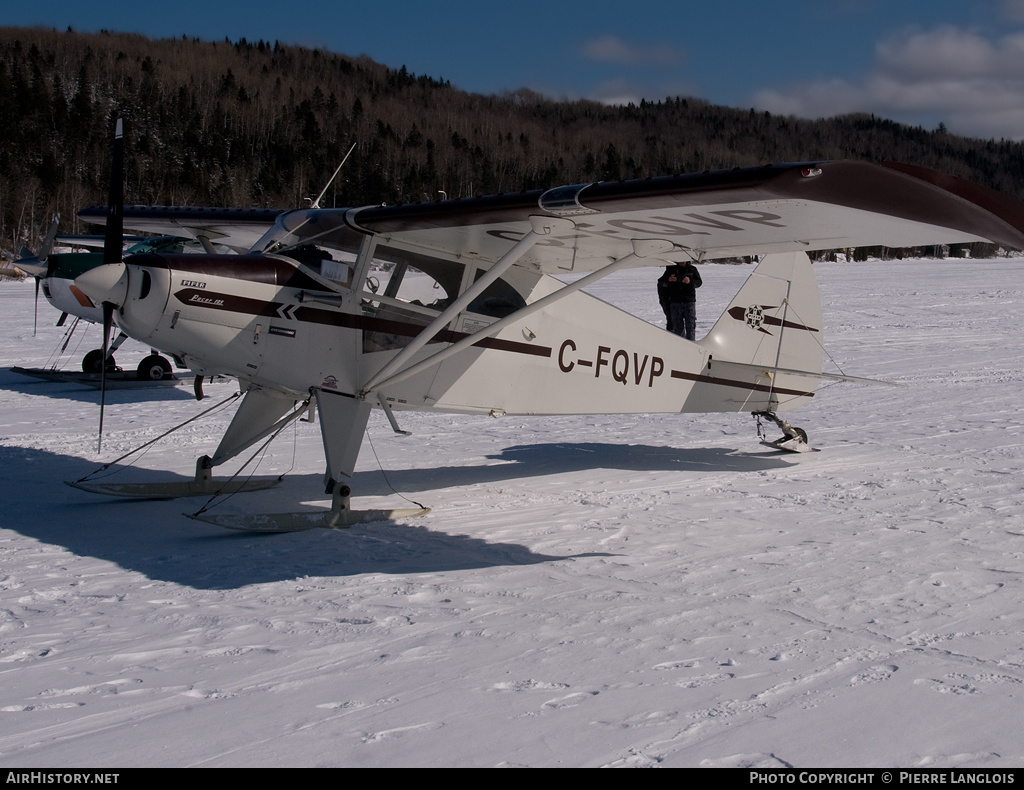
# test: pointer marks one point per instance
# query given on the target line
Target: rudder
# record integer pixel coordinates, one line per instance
(774, 322)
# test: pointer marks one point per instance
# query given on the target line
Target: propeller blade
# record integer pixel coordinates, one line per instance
(36, 266)
(31, 266)
(51, 234)
(113, 244)
(108, 320)
(113, 237)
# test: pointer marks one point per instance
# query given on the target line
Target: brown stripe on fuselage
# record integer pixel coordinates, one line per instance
(259, 269)
(212, 300)
(701, 379)
(272, 272)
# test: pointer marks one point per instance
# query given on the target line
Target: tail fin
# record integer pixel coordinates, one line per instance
(773, 330)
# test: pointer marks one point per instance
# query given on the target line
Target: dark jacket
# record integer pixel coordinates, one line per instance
(670, 291)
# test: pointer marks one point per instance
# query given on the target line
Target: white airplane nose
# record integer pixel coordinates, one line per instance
(105, 283)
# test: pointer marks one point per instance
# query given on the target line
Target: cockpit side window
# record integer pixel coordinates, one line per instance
(334, 265)
(498, 300)
(405, 291)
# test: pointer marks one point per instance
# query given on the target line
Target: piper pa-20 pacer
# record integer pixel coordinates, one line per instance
(454, 306)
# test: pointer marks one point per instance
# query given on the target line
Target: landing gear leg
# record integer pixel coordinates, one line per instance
(342, 422)
(793, 439)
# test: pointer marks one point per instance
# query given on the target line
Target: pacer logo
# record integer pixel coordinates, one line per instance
(197, 299)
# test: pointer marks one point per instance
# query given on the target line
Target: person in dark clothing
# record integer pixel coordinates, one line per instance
(677, 293)
(666, 306)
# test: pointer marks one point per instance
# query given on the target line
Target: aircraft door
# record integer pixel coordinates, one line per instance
(500, 299)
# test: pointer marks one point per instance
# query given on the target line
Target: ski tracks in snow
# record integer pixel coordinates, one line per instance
(631, 591)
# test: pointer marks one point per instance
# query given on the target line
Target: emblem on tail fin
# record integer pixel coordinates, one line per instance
(754, 317)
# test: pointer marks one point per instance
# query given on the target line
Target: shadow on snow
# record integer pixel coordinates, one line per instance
(153, 538)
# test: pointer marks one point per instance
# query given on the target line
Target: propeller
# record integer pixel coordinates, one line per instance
(108, 319)
(44, 253)
(113, 237)
(112, 254)
(36, 266)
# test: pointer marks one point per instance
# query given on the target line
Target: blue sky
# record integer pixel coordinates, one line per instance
(959, 62)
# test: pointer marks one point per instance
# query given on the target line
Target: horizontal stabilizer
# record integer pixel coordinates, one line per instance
(770, 370)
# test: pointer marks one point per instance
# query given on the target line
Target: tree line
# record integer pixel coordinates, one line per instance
(263, 124)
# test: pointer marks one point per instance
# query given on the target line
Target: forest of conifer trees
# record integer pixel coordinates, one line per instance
(262, 124)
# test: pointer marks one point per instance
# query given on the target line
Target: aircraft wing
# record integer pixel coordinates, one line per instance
(746, 211)
(90, 241)
(237, 228)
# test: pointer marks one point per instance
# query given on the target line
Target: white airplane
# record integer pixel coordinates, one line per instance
(454, 306)
(55, 275)
(214, 231)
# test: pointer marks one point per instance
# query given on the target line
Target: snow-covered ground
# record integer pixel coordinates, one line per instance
(590, 591)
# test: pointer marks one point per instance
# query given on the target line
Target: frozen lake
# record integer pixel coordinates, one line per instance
(588, 591)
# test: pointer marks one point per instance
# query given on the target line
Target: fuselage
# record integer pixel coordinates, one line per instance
(289, 326)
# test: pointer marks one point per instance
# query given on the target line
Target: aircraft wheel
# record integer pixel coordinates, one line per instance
(94, 360)
(153, 368)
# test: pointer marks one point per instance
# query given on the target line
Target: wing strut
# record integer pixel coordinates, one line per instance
(642, 248)
(540, 226)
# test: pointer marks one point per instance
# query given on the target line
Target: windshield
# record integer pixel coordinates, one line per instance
(325, 228)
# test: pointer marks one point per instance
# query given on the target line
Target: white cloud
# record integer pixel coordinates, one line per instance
(611, 49)
(973, 83)
(951, 53)
(616, 92)
(624, 91)
(634, 71)
(1013, 10)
